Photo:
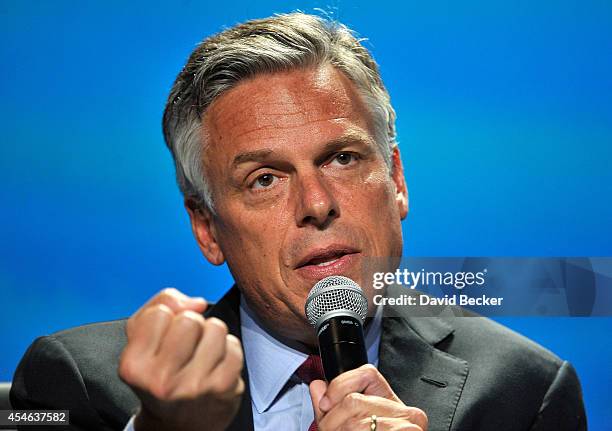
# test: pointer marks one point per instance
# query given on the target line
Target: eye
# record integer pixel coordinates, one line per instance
(345, 158)
(264, 181)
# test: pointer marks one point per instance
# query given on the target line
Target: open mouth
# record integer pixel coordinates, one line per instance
(327, 261)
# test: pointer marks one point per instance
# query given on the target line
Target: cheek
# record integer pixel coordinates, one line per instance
(374, 207)
(374, 195)
(251, 241)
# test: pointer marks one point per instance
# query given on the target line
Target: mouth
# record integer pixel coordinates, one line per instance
(330, 260)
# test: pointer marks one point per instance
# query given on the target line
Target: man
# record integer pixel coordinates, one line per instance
(283, 138)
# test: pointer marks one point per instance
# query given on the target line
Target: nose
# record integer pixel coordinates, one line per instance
(316, 203)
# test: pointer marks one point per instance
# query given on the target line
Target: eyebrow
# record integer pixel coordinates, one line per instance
(252, 156)
(331, 146)
(348, 139)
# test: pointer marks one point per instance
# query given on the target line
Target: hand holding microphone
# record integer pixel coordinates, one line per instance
(357, 397)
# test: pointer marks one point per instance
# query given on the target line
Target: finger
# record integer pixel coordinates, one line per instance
(179, 342)
(365, 379)
(225, 378)
(143, 343)
(357, 406)
(221, 376)
(382, 424)
(147, 333)
(210, 350)
(176, 301)
(173, 299)
(392, 424)
(317, 390)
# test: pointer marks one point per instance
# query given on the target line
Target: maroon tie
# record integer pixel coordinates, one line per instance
(311, 369)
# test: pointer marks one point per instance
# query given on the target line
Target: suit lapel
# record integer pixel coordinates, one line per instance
(420, 374)
(227, 309)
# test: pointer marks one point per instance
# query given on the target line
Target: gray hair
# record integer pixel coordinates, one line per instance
(274, 44)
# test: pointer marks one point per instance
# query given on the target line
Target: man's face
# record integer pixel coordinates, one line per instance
(301, 191)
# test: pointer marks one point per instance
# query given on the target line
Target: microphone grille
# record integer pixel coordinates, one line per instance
(335, 293)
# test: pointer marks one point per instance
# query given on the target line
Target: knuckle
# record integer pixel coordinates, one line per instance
(336, 389)
(168, 292)
(160, 392)
(351, 400)
(232, 367)
(232, 340)
(169, 296)
(127, 369)
(419, 417)
(226, 379)
(189, 318)
(160, 389)
(366, 374)
(190, 389)
(241, 387)
(238, 365)
(223, 384)
(141, 327)
(234, 348)
(370, 371)
(216, 325)
(158, 311)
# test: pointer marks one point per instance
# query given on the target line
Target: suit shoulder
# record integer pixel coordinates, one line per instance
(107, 328)
(76, 369)
(90, 343)
(101, 338)
(506, 368)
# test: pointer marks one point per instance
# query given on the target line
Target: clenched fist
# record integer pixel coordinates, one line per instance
(184, 368)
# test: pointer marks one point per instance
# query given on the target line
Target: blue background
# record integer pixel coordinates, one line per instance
(504, 120)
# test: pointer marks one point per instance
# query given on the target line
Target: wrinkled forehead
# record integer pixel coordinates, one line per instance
(286, 108)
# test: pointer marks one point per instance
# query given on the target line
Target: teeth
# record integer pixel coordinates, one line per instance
(329, 262)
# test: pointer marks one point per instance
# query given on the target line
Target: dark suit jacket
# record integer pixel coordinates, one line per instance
(466, 373)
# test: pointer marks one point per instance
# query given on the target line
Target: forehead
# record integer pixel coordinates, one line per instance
(285, 110)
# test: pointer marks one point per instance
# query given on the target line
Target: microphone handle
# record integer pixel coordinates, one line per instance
(341, 345)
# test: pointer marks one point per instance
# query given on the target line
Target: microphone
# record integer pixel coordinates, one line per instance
(337, 307)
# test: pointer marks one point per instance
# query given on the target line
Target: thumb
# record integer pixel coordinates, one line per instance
(317, 390)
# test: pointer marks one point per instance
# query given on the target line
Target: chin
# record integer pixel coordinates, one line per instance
(308, 339)
(297, 330)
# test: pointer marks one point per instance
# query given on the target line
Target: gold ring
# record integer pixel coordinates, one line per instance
(373, 419)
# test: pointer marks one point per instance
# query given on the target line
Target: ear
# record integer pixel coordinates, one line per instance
(204, 231)
(401, 190)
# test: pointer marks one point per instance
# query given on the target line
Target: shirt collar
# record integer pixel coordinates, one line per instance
(270, 363)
